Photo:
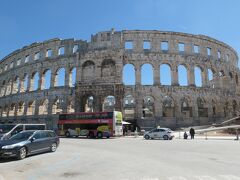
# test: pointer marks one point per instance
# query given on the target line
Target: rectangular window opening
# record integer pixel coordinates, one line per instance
(164, 46)
(227, 57)
(18, 62)
(11, 65)
(27, 58)
(181, 47)
(196, 49)
(208, 51)
(146, 45)
(128, 45)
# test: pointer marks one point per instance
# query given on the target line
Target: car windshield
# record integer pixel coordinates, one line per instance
(22, 135)
(4, 128)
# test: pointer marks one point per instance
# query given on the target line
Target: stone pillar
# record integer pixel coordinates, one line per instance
(53, 82)
(12, 85)
(25, 108)
(204, 78)
(138, 75)
(66, 83)
(29, 82)
(40, 83)
(156, 76)
(191, 80)
(158, 108)
(174, 74)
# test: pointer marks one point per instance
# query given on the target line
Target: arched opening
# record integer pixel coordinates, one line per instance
(129, 105)
(88, 71)
(148, 107)
(57, 106)
(89, 104)
(46, 79)
(198, 76)
(12, 109)
(168, 107)
(16, 85)
(129, 75)
(34, 81)
(72, 77)
(165, 74)
(108, 68)
(60, 77)
(146, 74)
(20, 110)
(202, 109)
(182, 75)
(210, 75)
(43, 107)
(109, 103)
(186, 109)
(70, 107)
(31, 108)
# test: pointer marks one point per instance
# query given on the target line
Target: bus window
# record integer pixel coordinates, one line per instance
(35, 127)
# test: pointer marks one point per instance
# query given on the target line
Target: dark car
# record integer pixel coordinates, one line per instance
(29, 142)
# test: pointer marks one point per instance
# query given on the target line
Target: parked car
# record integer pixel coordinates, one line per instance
(29, 142)
(8, 130)
(159, 133)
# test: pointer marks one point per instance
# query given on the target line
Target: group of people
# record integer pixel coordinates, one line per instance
(191, 132)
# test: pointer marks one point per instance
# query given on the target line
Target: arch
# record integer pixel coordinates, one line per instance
(72, 77)
(202, 107)
(109, 103)
(16, 85)
(198, 76)
(168, 106)
(88, 70)
(46, 79)
(129, 74)
(57, 106)
(182, 75)
(165, 74)
(20, 110)
(88, 103)
(148, 107)
(34, 81)
(186, 109)
(43, 107)
(210, 75)
(31, 108)
(147, 74)
(108, 68)
(70, 106)
(59, 77)
(12, 109)
(129, 105)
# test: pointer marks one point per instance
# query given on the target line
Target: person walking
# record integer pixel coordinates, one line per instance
(192, 133)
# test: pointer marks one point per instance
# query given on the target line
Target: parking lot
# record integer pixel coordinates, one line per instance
(131, 158)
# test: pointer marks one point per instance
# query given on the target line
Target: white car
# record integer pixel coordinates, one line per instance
(159, 133)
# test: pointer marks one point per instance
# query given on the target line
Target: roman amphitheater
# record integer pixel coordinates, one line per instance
(39, 81)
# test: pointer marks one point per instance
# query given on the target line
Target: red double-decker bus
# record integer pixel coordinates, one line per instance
(91, 124)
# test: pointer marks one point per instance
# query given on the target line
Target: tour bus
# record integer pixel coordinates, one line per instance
(8, 130)
(91, 124)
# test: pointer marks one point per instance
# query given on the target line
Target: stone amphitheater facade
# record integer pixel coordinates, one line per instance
(98, 83)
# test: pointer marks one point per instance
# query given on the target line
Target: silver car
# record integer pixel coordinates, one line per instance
(159, 133)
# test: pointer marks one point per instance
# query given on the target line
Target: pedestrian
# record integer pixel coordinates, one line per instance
(185, 135)
(192, 133)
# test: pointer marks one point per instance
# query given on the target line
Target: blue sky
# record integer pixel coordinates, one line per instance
(23, 22)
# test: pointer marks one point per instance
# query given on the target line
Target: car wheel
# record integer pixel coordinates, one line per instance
(147, 137)
(99, 135)
(67, 134)
(53, 147)
(165, 137)
(22, 153)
